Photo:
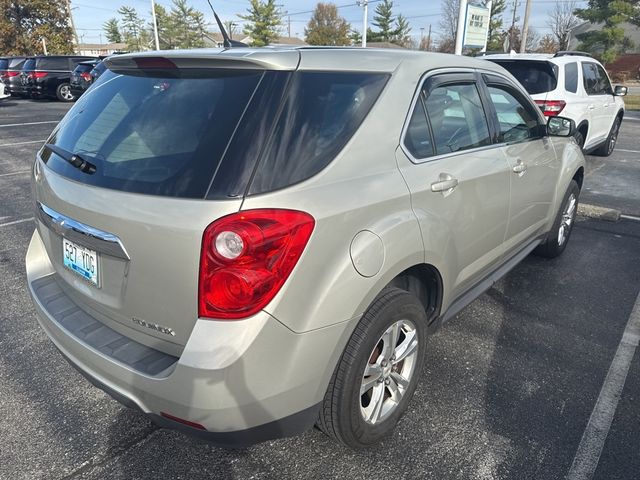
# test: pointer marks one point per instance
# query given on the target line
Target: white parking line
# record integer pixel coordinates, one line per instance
(29, 123)
(14, 173)
(588, 455)
(627, 151)
(15, 222)
(20, 143)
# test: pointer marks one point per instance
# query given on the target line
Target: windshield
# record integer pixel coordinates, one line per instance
(535, 76)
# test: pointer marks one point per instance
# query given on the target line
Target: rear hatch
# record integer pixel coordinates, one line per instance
(26, 75)
(160, 151)
(538, 77)
(81, 75)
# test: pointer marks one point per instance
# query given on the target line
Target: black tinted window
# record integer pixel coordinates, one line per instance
(4, 63)
(16, 63)
(29, 64)
(590, 78)
(571, 77)
(417, 138)
(321, 113)
(52, 63)
(457, 118)
(516, 119)
(82, 67)
(604, 84)
(158, 135)
(535, 76)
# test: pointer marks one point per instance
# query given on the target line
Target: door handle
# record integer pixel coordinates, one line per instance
(445, 184)
(591, 107)
(520, 168)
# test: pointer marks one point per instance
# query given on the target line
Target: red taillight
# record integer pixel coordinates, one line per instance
(246, 257)
(551, 108)
(12, 74)
(86, 76)
(39, 74)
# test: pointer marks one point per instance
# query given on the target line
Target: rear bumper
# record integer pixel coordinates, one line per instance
(243, 381)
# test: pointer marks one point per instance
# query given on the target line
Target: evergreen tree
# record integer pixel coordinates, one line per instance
(384, 20)
(401, 32)
(25, 23)
(494, 36)
(263, 22)
(326, 27)
(132, 27)
(609, 40)
(112, 30)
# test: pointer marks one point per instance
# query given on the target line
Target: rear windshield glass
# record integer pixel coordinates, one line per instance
(4, 63)
(82, 67)
(535, 76)
(53, 63)
(29, 64)
(16, 63)
(321, 113)
(153, 134)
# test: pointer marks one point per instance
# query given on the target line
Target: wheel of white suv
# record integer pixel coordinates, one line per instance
(559, 235)
(378, 371)
(607, 147)
(63, 93)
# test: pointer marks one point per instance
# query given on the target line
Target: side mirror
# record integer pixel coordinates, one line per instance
(620, 91)
(561, 127)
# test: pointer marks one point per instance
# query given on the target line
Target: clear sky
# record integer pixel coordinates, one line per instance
(89, 15)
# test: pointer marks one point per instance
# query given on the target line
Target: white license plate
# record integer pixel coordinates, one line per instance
(81, 260)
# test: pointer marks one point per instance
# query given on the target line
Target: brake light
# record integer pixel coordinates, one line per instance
(154, 62)
(551, 108)
(39, 74)
(245, 259)
(86, 76)
(12, 74)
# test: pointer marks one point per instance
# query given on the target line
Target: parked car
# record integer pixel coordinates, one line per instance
(3, 92)
(81, 77)
(11, 76)
(98, 70)
(577, 86)
(244, 243)
(49, 76)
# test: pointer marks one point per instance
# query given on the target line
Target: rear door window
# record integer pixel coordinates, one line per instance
(535, 76)
(571, 77)
(417, 138)
(54, 63)
(16, 63)
(29, 64)
(457, 118)
(156, 134)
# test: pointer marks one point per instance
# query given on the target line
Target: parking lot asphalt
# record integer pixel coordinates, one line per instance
(510, 385)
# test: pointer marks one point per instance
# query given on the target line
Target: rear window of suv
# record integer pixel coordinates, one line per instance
(534, 75)
(16, 63)
(29, 64)
(190, 136)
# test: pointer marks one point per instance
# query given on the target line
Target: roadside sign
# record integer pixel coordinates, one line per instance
(476, 26)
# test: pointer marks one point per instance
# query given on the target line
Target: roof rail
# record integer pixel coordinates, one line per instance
(572, 53)
(490, 52)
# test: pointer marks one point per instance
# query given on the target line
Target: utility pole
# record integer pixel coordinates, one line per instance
(488, 5)
(429, 39)
(289, 29)
(73, 26)
(365, 21)
(513, 25)
(155, 24)
(525, 27)
(462, 15)
(44, 46)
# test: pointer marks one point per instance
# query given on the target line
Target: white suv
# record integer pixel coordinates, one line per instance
(575, 85)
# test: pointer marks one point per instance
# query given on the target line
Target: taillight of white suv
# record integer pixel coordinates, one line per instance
(551, 108)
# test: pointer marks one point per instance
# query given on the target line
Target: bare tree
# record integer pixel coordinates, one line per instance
(562, 21)
(449, 20)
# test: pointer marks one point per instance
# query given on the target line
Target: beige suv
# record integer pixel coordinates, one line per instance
(243, 243)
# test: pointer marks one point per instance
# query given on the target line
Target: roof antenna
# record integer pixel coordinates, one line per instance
(228, 43)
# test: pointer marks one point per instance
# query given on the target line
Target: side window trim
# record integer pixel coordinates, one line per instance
(428, 83)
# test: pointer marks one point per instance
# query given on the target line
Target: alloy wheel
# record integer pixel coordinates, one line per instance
(389, 371)
(567, 219)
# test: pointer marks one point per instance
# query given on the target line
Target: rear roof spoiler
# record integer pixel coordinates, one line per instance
(568, 53)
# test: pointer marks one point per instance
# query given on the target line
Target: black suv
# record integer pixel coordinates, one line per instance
(49, 76)
(10, 68)
(81, 77)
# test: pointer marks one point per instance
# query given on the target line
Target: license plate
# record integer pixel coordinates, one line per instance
(81, 260)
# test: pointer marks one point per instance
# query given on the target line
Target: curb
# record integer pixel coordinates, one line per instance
(599, 213)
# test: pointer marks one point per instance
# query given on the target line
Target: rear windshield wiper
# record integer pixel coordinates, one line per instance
(73, 158)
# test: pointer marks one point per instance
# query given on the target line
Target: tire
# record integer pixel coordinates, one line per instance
(344, 408)
(559, 234)
(63, 93)
(609, 145)
(579, 137)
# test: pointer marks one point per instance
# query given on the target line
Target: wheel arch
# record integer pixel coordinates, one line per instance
(425, 282)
